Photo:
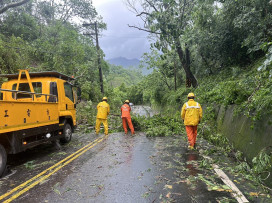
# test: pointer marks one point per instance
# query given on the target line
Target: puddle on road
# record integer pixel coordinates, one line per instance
(191, 163)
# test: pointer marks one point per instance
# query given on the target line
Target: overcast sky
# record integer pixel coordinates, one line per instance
(119, 40)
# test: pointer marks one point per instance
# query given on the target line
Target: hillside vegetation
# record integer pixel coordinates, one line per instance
(117, 75)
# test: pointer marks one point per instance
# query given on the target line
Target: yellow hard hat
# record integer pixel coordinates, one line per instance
(127, 101)
(191, 94)
(104, 98)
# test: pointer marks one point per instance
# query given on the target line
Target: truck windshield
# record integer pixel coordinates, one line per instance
(68, 91)
(25, 87)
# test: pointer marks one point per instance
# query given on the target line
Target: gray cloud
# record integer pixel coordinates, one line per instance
(119, 39)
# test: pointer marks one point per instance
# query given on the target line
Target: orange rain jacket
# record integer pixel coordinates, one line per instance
(125, 109)
(103, 110)
(191, 113)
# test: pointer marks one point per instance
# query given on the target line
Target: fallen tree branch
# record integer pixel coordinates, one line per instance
(13, 5)
(142, 29)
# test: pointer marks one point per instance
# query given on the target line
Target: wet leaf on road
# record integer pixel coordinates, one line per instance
(255, 194)
(146, 194)
(30, 165)
(55, 188)
(168, 195)
(160, 196)
(179, 194)
(236, 181)
(168, 186)
(61, 153)
(148, 170)
(180, 181)
(68, 189)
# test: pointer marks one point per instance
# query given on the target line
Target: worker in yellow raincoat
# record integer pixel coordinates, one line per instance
(191, 113)
(103, 110)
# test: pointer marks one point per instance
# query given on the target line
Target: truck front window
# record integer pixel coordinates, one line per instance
(68, 91)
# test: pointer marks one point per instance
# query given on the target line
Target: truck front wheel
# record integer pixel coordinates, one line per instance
(3, 160)
(67, 131)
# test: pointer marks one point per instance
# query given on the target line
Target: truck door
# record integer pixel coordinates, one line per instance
(69, 99)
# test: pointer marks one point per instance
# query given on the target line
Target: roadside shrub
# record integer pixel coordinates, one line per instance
(138, 122)
(159, 131)
(262, 164)
(86, 113)
(158, 125)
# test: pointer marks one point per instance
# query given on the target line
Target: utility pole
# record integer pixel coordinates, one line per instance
(175, 73)
(98, 53)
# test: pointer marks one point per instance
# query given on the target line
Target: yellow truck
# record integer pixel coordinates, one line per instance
(35, 108)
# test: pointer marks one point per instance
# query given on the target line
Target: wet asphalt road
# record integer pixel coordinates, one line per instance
(121, 168)
(126, 168)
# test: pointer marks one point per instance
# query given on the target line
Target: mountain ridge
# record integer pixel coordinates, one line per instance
(125, 62)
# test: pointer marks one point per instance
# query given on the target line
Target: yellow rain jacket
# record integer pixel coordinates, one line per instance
(103, 110)
(191, 113)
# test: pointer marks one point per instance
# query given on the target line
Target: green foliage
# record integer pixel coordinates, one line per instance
(118, 75)
(21, 25)
(30, 165)
(13, 59)
(159, 125)
(158, 131)
(228, 33)
(259, 168)
(227, 92)
(137, 122)
(86, 113)
(262, 164)
(266, 67)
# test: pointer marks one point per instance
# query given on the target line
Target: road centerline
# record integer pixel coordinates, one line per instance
(67, 159)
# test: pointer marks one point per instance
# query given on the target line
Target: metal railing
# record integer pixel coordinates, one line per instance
(16, 92)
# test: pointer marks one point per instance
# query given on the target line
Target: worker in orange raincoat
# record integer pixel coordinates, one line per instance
(191, 114)
(126, 118)
(103, 110)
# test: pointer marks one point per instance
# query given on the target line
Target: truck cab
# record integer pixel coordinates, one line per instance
(35, 108)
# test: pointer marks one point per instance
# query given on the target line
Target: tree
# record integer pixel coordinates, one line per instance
(228, 33)
(66, 10)
(6, 5)
(168, 19)
(166, 64)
